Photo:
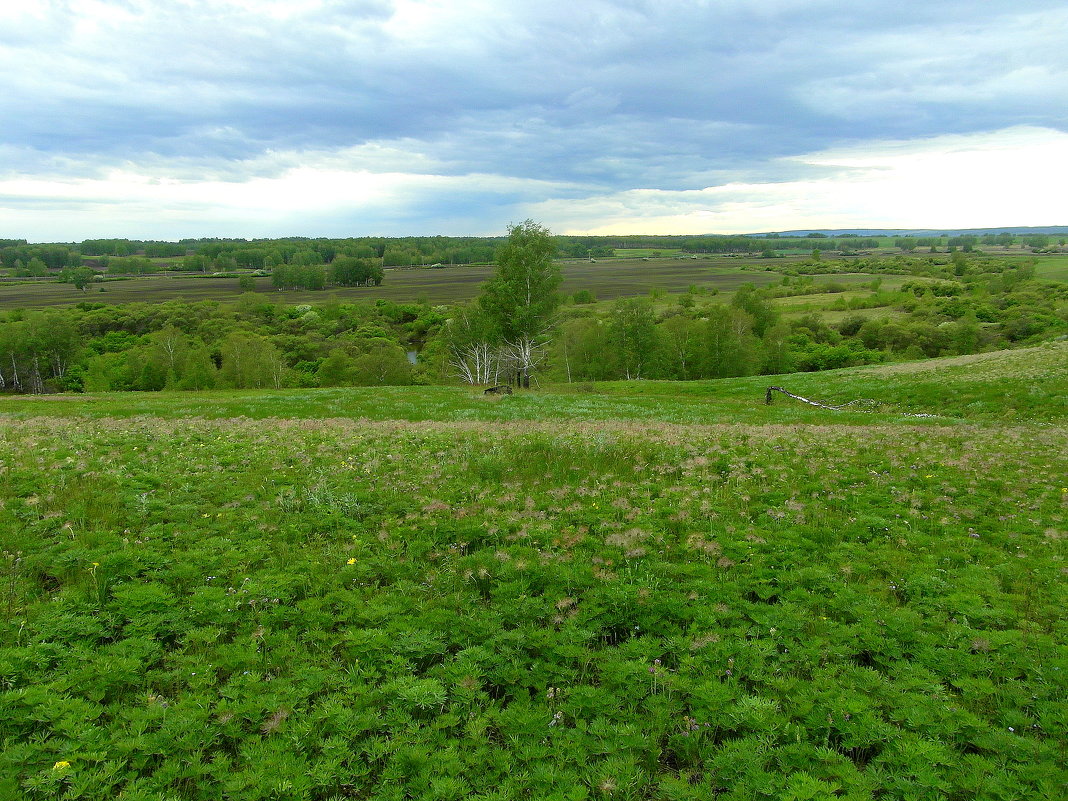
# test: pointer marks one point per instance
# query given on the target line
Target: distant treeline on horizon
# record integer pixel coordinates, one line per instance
(220, 254)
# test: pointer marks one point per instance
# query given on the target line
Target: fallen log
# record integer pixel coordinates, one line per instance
(834, 408)
(871, 405)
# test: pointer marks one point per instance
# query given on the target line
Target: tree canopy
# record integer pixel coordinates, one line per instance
(521, 296)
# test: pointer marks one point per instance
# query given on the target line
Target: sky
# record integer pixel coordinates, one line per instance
(163, 119)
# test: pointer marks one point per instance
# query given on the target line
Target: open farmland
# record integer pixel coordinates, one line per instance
(651, 591)
(606, 279)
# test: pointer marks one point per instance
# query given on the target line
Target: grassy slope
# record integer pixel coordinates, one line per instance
(1053, 268)
(652, 591)
(1022, 384)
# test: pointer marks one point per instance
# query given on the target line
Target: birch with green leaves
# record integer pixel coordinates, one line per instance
(521, 299)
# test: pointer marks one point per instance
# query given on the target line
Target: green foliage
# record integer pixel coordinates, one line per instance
(335, 370)
(632, 337)
(584, 296)
(757, 305)
(34, 268)
(131, 265)
(183, 346)
(730, 345)
(383, 364)
(36, 260)
(303, 276)
(198, 371)
(350, 271)
(250, 361)
(613, 599)
(521, 296)
(79, 276)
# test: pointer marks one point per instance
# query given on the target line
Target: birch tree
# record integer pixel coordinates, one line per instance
(632, 337)
(473, 355)
(522, 296)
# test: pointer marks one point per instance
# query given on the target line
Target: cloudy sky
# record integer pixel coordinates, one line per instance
(176, 118)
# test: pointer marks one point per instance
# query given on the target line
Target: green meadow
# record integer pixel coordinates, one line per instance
(1053, 268)
(625, 590)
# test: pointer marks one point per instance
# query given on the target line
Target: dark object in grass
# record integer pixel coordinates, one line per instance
(501, 389)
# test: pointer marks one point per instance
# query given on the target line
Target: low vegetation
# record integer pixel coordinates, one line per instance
(648, 590)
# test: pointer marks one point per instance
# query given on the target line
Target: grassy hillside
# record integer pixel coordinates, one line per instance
(661, 591)
(1028, 384)
(1053, 268)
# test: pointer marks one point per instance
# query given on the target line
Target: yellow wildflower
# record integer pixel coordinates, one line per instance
(61, 765)
(351, 561)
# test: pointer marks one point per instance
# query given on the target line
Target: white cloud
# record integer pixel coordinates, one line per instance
(659, 113)
(322, 200)
(995, 63)
(1000, 178)
(1009, 177)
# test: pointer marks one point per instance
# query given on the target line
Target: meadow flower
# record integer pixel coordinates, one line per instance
(351, 561)
(61, 765)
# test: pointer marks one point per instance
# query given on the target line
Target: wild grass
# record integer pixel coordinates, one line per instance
(654, 592)
(1024, 384)
(1053, 268)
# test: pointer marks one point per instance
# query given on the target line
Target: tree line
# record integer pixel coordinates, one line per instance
(79, 263)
